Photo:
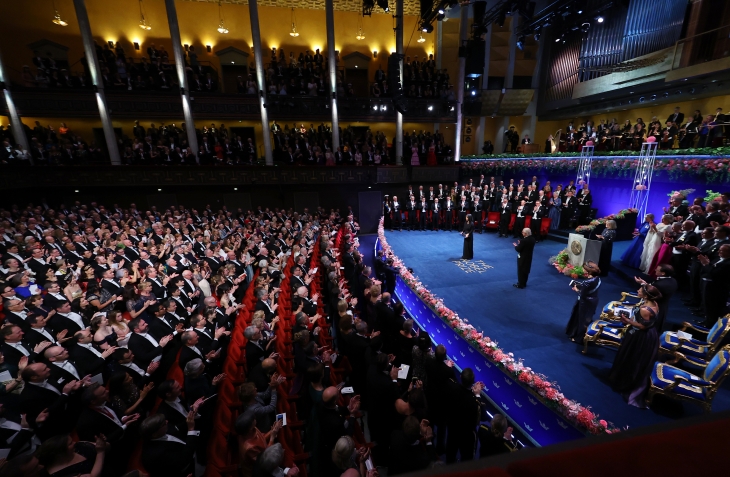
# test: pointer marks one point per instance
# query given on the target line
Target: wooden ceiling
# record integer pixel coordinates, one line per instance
(410, 7)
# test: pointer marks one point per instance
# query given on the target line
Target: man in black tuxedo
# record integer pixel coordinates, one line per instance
(86, 357)
(569, 206)
(412, 207)
(382, 387)
(677, 209)
(123, 359)
(538, 213)
(524, 250)
(37, 333)
(256, 349)
(585, 202)
(715, 284)
(441, 373)
(143, 345)
(38, 264)
(334, 422)
(520, 218)
(448, 212)
(462, 417)
(704, 247)
(173, 408)
(14, 348)
(680, 256)
(676, 117)
(42, 403)
(505, 216)
(411, 448)
(262, 304)
(163, 454)
(423, 208)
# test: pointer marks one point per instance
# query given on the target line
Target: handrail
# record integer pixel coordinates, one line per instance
(701, 48)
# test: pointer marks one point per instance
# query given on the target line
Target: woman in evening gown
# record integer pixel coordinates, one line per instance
(664, 255)
(607, 239)
(638, 351)
(415, 161)
(431, 158)
(632, 255)
(585, 306)
(468, 234)
(653, 241)
(556, 204)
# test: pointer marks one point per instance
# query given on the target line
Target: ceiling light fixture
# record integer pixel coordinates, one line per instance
(360, 34)
(221, 23)
(57, 16)
(421, 39)
(293, 31)
(142, 20)
(599, 19)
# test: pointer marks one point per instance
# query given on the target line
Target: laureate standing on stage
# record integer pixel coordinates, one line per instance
(524, 250)
(468, 233)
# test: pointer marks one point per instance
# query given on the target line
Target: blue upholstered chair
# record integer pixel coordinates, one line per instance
(694, 351)
(604, 333)
(607, 311)
(676, 383)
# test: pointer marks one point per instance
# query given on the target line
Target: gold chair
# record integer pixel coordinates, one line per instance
(694, 351)
(675, 383)
(604, 333)
(607, 311)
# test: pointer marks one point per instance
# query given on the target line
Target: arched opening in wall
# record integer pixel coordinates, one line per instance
(234, 63)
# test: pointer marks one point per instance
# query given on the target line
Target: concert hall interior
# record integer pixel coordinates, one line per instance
(362, 238)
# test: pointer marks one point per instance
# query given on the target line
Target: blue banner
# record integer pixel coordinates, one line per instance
(539, 423)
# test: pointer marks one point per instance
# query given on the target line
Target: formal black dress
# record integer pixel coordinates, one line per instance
(584, 309)
(635, 359)
(604, 259)
(468, 252)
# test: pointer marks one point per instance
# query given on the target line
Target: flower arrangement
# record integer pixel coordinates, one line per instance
(561, 262)
(548, 392)
(712, 169)
(712, 196)
(595, 223)
(681, 194)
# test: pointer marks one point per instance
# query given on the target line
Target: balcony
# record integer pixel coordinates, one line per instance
(79, 103)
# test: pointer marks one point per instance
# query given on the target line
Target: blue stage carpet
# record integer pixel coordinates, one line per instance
(531, 322)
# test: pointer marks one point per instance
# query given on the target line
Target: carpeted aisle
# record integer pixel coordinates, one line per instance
(531, 322)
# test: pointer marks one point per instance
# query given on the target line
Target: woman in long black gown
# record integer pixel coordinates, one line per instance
(468, 234)
(638, 351)
(585, 307)
(607, 239)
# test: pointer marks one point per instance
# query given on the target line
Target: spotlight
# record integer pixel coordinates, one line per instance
(599, 19)
(537, 36)
(375, 108)
(585, 27)
(451, 108)
(653, 97)
(473, 92)
(580, 11)
(521, 42)
(384, 108)
(430, 108)
(426, 27)
(441, 11)
(642, 99)
(557, 40)
(441, 17)
(384, 5)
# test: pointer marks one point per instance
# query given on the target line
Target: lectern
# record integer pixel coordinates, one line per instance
(582, 250)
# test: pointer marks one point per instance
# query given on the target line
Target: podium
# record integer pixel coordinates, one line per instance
(582, 250)
(530, 148)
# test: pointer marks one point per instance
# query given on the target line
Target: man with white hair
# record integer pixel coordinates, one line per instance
(309, 306)
(524, 250)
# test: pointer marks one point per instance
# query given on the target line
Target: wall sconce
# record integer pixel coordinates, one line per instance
(111, 43)
(375, 53)
(208, 48)
(136, 45)
(186, 46)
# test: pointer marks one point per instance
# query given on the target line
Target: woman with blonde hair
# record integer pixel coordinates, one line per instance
(120, 327)
(653, 241)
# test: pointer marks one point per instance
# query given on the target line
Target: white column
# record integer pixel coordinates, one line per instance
(17, 126)
(463, 31)
(253, 10)
(532, 107)
(399, 50)
(182, 76)
(485, 76)
(85, 27)
(508, 81)
(330, 13)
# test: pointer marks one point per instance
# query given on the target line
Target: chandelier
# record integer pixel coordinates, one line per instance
(142, 21)
(360, 34)
(293, 31)
(221, 26)
(57, 16)
(421, 39)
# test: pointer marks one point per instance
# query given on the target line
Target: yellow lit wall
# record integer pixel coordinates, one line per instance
(118, 21)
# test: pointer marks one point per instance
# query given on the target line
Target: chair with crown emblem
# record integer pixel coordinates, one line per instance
(694, 351)
(604, 333)
(607, 313)
(676, 383)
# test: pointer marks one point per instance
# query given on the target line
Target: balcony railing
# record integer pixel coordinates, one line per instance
(699, 49)
(70, 103)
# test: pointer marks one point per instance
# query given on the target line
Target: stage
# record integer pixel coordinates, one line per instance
(531, 322)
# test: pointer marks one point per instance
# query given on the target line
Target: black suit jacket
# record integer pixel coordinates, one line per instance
(86, 361)
(269, 315)
(144, 351)
(92, 423)
(176, 423)
(187, 354)
(255, 354)
(525, 248)
(34, 399)
(169, 459)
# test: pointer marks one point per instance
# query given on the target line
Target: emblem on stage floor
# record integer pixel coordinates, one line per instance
(472, 266)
